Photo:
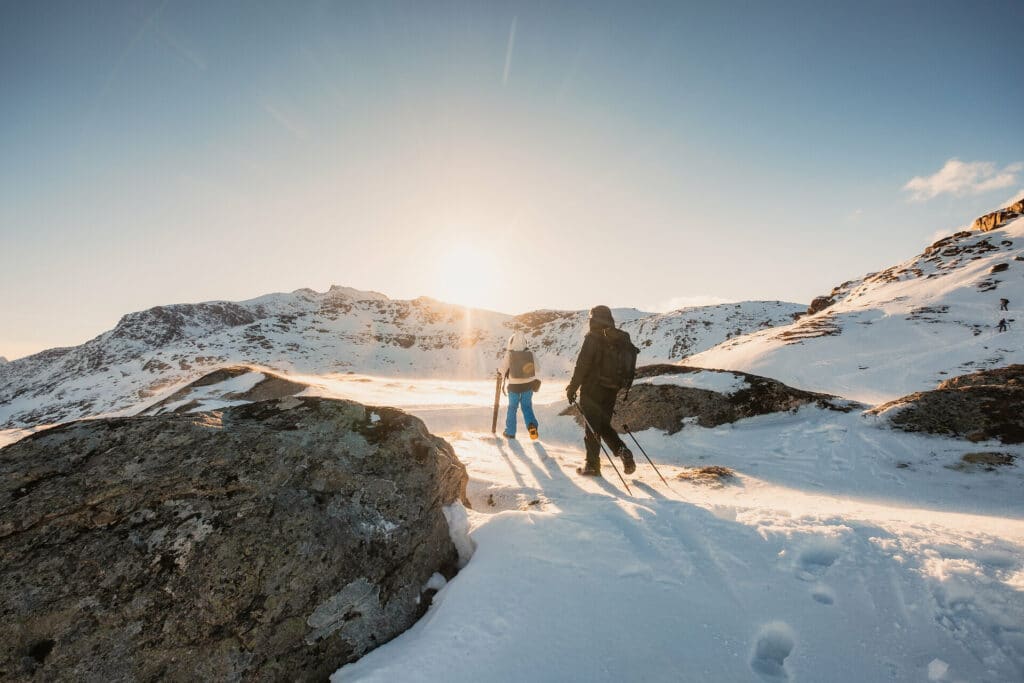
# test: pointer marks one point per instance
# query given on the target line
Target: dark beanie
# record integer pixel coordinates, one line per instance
(602, 315)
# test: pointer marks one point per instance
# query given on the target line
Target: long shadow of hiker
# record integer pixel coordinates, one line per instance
(540, 474)
(511, 464)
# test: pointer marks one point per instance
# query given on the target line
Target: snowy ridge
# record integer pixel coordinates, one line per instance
(900, 330)
(150, 353)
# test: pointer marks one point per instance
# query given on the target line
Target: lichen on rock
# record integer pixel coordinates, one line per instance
(272, 540)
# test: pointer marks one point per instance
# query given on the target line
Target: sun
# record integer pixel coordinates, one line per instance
(469, 276)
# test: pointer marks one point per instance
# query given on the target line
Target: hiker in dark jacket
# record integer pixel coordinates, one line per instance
(597, 401)
(519, 368)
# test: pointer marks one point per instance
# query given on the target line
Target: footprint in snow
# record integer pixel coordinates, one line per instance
(823, 594)
(816, 557)
(813, 560)
(775, 641)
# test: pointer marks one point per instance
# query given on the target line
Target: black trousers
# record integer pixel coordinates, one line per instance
(597, 404)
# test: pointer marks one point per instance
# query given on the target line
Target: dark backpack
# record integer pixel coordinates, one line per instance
(617, 365)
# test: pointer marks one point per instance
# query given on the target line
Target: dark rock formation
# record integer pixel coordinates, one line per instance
(820, 303)
(163, 324)
(666, 406)
(276, 540)
(216, 385)
(980, 406)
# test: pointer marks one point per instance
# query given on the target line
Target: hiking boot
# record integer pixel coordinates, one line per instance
(533, 432)
(628, 464)
(588, 471)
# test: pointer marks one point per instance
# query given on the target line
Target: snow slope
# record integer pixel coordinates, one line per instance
(843, 551)
(151, 353)
(901, 330)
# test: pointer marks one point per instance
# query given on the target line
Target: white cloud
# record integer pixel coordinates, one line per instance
(963, 178)
(678, 302)
(508, 50)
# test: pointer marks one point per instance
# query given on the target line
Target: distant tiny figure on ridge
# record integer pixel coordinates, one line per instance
(1002, 325)
(520, 369)
(1003, 303)
(605, 365)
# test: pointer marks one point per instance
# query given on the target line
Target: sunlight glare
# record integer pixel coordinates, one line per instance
(468, 276)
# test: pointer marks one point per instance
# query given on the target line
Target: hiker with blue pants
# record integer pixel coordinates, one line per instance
(520, 370)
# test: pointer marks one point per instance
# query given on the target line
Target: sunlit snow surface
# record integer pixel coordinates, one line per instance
(902, 330)
(843, 551)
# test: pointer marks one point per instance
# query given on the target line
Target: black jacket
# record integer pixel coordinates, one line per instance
(587, 363)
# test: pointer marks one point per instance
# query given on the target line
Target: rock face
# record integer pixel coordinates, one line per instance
(998, 219)
(666, 396)
(979, 406)
(226, 386)
(819, 304)
(275, 540)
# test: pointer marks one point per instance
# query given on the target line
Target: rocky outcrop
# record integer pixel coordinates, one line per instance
(820, 303)
(978, 407)
(668, 397)
(226, 386)
(275, 540)
(999, 218)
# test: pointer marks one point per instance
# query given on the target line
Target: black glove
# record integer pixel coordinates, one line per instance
(570, 393)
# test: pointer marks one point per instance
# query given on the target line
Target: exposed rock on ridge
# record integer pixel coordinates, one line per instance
(656, 400)
(276, 540)
(224, 387)
(998, 218)
(980, 406)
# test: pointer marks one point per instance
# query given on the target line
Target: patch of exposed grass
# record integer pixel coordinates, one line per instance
(986, 461)
(712, 475)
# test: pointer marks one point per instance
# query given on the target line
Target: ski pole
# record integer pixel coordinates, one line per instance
(626, 427)
(606, 453)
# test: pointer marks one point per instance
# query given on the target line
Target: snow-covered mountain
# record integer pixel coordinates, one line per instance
(150, 353)
(903, 329)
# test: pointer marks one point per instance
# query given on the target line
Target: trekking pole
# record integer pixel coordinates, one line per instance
(626, 427)
(606, 453)
(497, 400)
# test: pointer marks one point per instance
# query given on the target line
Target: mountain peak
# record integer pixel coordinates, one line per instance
(356, 294)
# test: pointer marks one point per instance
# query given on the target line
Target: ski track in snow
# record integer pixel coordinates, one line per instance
(823, 561)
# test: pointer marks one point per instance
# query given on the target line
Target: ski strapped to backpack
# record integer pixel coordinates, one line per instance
(617, 365)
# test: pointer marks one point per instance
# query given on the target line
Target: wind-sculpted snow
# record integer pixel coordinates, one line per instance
(150, 354)
(900, 330)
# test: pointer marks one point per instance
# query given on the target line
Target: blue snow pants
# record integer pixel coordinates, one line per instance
(516, 399)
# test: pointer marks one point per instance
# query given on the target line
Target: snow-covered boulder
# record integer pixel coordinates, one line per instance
(983, 405)
(224, 387)
(668, 396)
(274, 540)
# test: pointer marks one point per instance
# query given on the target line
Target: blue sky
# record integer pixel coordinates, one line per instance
(509, 155)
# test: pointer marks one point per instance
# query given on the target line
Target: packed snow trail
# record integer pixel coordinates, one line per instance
(827, 568)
